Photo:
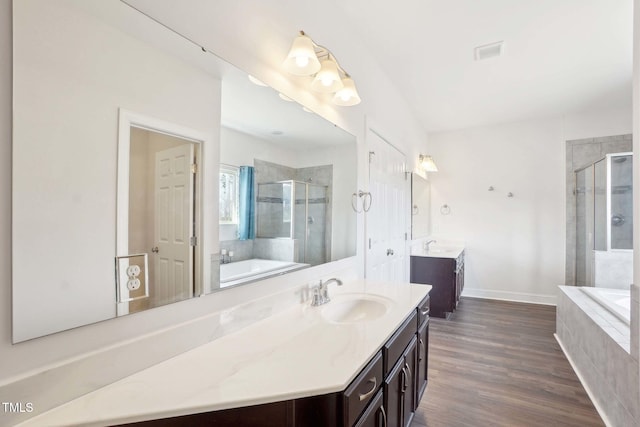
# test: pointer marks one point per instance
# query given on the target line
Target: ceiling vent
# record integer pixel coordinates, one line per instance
(487, 51)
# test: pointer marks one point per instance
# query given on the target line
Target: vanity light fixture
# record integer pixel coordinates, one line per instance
(306, 58)
(427, 163)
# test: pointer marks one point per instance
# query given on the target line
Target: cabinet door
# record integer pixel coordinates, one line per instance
(423, 361)
(393, 396)
(440, 274)
(409, 386)
(399, 389)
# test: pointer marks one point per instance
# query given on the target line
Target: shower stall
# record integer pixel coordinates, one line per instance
(297, 211)
(604, 234)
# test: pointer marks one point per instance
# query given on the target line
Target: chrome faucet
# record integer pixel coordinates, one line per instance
(321, 292)
(428, 242)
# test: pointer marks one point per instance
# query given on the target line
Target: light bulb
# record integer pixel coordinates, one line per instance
(328, 79)
(302, 61)
(348, 95)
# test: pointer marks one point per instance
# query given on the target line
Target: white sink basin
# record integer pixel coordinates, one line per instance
(354, 308)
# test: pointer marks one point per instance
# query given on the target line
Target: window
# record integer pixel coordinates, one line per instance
(228, 194)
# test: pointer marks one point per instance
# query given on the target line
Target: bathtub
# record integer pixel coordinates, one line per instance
(597, 343)
(617, 301)
(249, 270)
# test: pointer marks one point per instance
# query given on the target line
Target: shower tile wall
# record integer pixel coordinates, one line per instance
(272, 172)
(613, 270)
(580, 153)
(242, 249)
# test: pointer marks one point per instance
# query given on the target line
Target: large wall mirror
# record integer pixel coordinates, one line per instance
(420, 207)
(284, 185)
(137, 156)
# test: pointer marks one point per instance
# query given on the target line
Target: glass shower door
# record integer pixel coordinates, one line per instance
(584, 226)
(316, 250)
(621, 202)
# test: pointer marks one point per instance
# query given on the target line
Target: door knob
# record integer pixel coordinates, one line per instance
(155, 250)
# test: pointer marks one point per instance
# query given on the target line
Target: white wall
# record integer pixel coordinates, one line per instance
(238, 149)
(515, 246)
(593, 124)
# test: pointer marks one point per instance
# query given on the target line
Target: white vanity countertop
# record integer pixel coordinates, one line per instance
(293, 354)
(437, 251)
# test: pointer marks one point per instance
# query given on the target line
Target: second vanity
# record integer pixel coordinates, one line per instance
(443, 268)
(359, 360)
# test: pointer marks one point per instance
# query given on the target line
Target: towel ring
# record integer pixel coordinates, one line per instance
(364, 195)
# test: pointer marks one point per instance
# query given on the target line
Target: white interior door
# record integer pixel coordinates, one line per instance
(173, 227)
(387, 219)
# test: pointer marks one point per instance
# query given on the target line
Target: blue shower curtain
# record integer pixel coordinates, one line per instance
(246, 205)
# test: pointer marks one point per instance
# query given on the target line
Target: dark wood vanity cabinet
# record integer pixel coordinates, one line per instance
(385, 393)
(445, 275)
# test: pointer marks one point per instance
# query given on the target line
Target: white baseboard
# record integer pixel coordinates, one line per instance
(584, 383)
(510, 296)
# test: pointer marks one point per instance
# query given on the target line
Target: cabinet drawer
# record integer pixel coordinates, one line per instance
(423, 310)
(375, 415)
(362, 390)
(394, 348)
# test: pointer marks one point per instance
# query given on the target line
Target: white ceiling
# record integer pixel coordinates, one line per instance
(561, 56)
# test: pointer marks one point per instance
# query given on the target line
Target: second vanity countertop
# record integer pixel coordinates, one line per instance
(293, 354)
(452, 251)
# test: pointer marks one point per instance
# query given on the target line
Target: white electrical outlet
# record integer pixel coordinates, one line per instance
(133, 284)
(133, 270)
(131, 277)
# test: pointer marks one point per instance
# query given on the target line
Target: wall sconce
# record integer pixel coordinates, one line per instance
(306, 58)
(427, 163)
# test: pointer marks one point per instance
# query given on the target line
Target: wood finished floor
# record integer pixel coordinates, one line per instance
(496, 363)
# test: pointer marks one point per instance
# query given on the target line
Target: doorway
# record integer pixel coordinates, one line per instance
(158, 212)
(161, 214)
